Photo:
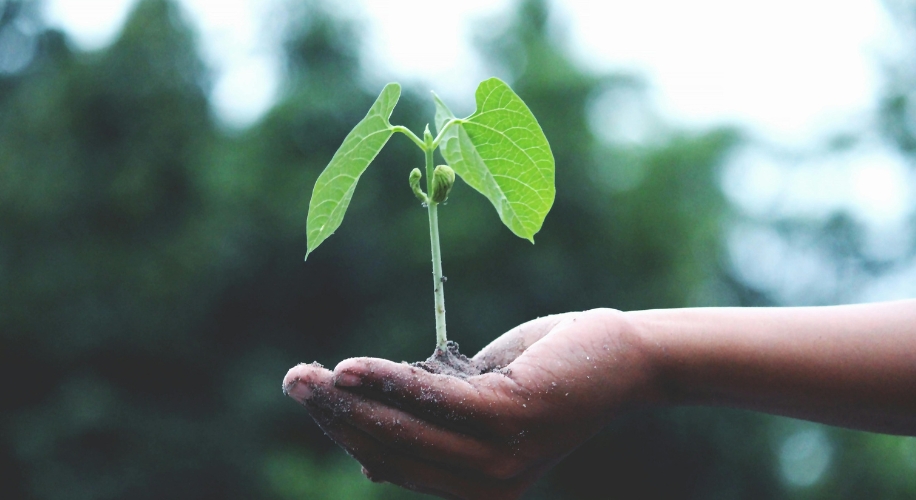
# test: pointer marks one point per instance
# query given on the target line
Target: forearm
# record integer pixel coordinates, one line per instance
(853, 366)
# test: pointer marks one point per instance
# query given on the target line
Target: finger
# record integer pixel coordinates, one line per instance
(439, 398)
(507, 347)
(400, 430)
(312, 386)
(382, 463)
(424, 440)
(332, 409)
(364, 449)
(302, 378)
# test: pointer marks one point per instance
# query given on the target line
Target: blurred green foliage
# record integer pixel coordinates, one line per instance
(152, 290)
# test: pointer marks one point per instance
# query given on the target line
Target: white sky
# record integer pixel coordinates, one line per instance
(787, 69)
(790, 71)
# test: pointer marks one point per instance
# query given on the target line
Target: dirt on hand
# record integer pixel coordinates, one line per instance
(452, 362)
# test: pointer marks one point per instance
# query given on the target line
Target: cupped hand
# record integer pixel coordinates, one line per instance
(549, 385)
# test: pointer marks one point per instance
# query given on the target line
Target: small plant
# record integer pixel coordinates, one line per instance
(500, 151)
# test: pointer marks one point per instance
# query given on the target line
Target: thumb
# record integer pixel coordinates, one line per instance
(510, 345)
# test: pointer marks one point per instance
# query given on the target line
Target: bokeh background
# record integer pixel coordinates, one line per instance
(152, 229)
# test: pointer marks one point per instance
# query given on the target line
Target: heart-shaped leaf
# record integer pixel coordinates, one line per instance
(501, 151)
(334, 187)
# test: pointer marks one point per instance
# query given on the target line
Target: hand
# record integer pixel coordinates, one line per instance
(557, 381)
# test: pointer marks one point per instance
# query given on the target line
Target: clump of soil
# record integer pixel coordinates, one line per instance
(451, 362)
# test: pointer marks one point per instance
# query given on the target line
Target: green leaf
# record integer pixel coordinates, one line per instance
(501, 151)
(334, 187)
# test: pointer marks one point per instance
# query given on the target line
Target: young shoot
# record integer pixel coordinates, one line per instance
(499, 150)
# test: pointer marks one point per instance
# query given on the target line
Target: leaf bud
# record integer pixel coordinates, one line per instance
(414, 179)
(443, 179)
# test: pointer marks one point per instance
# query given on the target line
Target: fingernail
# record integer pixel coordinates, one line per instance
(297, 390)
(347, 380)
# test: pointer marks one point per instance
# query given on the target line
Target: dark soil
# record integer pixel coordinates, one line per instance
(451, 362)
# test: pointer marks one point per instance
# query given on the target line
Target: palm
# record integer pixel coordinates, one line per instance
(558, 391)
(554, 384)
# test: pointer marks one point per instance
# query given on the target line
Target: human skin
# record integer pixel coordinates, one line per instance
(566, 376)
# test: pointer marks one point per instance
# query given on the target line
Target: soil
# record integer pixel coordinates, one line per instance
(452, 362)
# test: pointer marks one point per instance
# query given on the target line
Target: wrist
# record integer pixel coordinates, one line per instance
(637, 361)
(647, 331)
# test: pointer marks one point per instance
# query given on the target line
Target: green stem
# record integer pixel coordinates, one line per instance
(438, 281)
(445, 128)
(406, 131)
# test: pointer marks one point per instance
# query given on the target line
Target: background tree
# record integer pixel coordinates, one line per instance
(152, 290)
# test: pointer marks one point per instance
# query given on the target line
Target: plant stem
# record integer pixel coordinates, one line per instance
(445, 128)
(438, 281)
(410, 135)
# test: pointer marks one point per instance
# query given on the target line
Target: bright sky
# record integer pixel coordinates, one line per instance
(792, 72)
(786, 68)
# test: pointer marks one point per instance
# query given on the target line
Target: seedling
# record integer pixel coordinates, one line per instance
(500, 151)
